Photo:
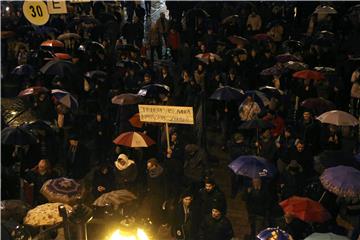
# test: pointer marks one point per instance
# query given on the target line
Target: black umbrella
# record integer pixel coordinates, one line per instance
(236, 51)
(230, 20)
(227, 93)
(14, 209)
(23, 70)
(272, 92)
(154, 90)
(96, 75)
(318, 105)
(292, 46)
(60, 68)
(39, 128)
(129, 65)
(196, 12)
(17, 136)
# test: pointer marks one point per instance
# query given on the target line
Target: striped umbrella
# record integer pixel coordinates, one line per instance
(134, 139)
(65, 98)
(64, 190)
(114, 198)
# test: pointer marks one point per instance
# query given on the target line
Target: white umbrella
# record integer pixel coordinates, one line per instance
(325, 10)
(114, 198)
(326, 236)
(45, 214)
(338, 118)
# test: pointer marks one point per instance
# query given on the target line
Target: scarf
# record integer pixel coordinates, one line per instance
(128, 162)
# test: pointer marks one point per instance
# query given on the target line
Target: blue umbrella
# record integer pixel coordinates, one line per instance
(65, 98)
(23, 70)
(258, 97)
(273, 233)
(342, 181)
(252, 166)
(227, 93)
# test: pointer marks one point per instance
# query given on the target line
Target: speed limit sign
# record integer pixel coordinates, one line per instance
(36, 12)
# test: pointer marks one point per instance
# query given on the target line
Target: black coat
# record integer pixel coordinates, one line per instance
(182, 228)
(211, 229)
(257, 201)
(38, 180)
(105, 180)
(208, 199)
(78, 162)
(125, 179)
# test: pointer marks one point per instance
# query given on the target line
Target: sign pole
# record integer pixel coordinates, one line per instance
(167, 135)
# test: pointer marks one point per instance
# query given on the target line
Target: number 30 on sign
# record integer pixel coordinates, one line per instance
(36, 12)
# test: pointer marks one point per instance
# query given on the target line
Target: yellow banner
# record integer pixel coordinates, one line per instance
(166, 114)
(56, 6)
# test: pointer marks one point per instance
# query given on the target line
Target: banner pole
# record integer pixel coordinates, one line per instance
(167, 135)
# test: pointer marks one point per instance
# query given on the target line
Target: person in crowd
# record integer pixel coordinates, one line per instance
(77, 158)
(249, 109)
(103, 180)
(125, 173)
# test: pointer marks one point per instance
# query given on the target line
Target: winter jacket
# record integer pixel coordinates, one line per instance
(212, 229)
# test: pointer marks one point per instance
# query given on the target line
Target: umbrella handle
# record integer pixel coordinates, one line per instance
(167, 136)
(322, 196)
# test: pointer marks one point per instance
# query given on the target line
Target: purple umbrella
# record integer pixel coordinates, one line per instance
(271, 71)
(283, 58)
(342, 181)
(273, 233)
(252, 166)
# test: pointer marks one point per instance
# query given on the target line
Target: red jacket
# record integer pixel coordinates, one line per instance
(174, 40)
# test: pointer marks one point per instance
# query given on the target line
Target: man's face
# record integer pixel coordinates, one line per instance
(216, 214)
(42, 165)
(306, 116)
(150, 166)
(187, 201)
(74, 142)
(98, 117)
(209, 187)
(300, 147)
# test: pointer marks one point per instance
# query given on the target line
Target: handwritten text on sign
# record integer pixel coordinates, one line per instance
(166, 114)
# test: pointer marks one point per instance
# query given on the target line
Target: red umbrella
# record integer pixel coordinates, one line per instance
(238, 40)
(309, 74)
(305, 209)
(135, 121)
(262, 37)
(134, 139)
(52, 43)
(204, 57)
(32, 91)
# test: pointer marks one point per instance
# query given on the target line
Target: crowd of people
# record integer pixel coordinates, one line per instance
(198, 47)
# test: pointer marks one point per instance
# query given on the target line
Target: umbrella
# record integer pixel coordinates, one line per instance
(325, 34)
(129, 64)
(338, 118)
(66, 36)
(45, 215)
(60, 68)
(309, 74)
(230, 19)
(135, 121)
(325, 10)
(236, 52)
(97, 75)
(196, 12)
(272, 91)
(305, 209)
(252, 166)
(114, 198)
(14, 209)
(92, 46)
(33, 91)
(237, 40)
(23, 70)
(256, 124)
(273, 233)
(134, 139)
(64, 190)
(62, 56)
(271, 71)
(292, 45)
(7, 34)
(45, 30)
(333, 158)
(318, 105)
(342, 181)
(325, 70)
(286, 57)
(52, 43)
(227, 93)
(154, 90)
(204, 57)
(297, 66)
(258, 97)
(275, 23)
(126, 99)
(17, 136)
(325, 236)
(65, 98)
(262, 37)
